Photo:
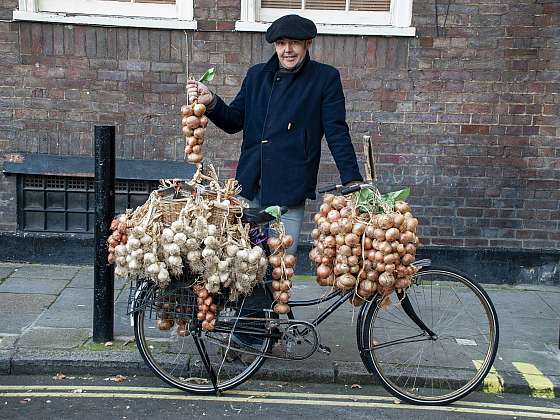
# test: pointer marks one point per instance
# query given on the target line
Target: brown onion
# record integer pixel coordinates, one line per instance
(325, 227)
(410, 249)
(328, 198)
(372, 275)
(285, 285)
(329, 241)
(351, 239)
(398, 219)
(275, 260)
(274, 243)
(346, 212)
(345, 250)
(281, 308)
(338, 203)
(407, 259)
(333, 216)
(199, 109)
(289, 260)
(339, 239)
(353, 260)
(392, 234)
(323, 271)
(335, 228)
(277, 273)
(402, 207)
(379, 234)
(187, 110)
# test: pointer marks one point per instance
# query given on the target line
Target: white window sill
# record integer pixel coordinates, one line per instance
(336, 29)
(138, 22)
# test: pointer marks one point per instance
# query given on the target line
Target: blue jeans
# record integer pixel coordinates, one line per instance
(293, 220)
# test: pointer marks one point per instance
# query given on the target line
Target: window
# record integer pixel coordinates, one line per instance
(140, 13)
(360, 17)
(67, 204)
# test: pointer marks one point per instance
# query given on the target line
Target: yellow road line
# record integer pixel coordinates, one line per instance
(260, 394)
(493, 383)
(540, 385)
(321, 403)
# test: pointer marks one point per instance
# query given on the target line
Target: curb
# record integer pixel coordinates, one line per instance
(28, 362)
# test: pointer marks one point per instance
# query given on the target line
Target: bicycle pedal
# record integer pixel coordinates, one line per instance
(324, 349)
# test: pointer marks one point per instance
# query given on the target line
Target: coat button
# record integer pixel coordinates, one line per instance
(277, 79)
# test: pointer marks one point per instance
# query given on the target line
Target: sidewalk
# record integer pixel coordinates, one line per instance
(46, 327)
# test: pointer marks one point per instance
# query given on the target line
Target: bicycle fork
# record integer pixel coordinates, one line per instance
(409, 310)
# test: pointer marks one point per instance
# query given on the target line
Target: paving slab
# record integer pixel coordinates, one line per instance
(15, 323)
(508, 303)
(66, 319)
(24, 303)
(54, 338)
(40, 271)
(73, 299)
(29, 285)
(524, 333)
(6, 272)
(85, 280)
(8, 341)
(552, 300)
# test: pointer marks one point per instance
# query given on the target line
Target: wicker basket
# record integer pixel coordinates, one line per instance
(170, 209)
(218, 215)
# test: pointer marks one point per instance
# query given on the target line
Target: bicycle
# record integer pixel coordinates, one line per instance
(412, 347)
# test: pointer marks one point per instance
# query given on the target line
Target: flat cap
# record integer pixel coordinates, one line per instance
(291, 27)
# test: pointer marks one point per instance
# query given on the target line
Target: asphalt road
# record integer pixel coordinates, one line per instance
(94, 397)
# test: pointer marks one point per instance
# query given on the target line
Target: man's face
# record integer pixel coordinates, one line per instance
(291, 52)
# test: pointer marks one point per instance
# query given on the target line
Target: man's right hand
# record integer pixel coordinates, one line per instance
(198, 91)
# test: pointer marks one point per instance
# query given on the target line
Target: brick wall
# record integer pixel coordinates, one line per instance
(466, 113)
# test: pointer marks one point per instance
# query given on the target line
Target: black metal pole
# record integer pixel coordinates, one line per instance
(103, 291)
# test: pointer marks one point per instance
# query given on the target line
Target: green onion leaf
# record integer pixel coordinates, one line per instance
(208, 76)
(274, 211)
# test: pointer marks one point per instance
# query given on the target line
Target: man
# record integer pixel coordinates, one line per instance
(285, 107)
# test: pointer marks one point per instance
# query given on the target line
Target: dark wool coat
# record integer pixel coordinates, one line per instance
(284, 117)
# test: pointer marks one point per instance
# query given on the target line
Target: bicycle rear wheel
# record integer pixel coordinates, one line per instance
(200, 362)
(431, 370)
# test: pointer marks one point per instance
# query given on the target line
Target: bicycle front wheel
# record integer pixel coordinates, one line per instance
(193, 360)
(447, 362)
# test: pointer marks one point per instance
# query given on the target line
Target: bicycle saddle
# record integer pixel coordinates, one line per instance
(258, 215)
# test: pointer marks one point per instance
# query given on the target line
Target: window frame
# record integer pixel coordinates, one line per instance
(396, 22)
(109, 13)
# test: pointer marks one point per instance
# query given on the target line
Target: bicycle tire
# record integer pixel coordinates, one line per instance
(452, 370)
(169, 372)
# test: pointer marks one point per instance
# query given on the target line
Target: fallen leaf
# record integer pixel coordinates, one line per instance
(108, 344)
(119, 378)
(25, 401)
(59, 376)
(396, 401)
(127, 342)
(356, 386)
